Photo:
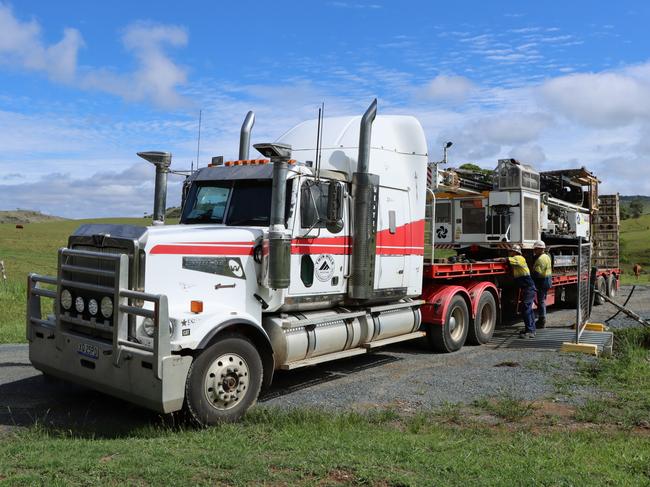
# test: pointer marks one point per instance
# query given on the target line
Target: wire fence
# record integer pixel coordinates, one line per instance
(583, 309)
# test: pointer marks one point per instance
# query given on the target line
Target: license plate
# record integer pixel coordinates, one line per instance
(88, 350)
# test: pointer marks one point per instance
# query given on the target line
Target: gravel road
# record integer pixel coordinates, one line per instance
(406, 377)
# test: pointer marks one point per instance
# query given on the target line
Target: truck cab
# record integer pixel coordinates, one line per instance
(312, 253)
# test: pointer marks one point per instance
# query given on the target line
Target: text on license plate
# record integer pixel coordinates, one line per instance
(88, 350)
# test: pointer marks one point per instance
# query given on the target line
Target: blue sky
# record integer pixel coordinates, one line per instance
(84, 85)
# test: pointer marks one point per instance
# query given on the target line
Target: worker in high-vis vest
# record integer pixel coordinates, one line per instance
(521, 273)
(542, 276)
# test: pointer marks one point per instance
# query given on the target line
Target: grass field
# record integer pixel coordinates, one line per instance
(635, 248)
(493, 442)
(32, 249)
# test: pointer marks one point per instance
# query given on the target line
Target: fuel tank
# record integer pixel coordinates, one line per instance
(299, 336)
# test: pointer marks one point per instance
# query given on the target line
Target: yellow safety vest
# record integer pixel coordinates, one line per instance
(519, 266)
(542, 267)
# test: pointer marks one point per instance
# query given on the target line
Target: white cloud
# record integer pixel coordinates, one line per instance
(448, 88)
(529, 154)
(605, 99)
(156, 77)
(104, 194)
(21, 46)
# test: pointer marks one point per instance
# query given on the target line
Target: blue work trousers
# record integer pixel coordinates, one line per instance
(528, 292)
(543, 284)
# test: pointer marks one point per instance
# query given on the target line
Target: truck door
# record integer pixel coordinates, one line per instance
(394, 239)
(319, 256)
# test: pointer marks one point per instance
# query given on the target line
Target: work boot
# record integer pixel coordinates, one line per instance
(526, 334)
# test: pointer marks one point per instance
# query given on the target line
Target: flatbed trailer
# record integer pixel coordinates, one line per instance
(489, 295)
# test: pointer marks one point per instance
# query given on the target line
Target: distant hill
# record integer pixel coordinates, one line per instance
(173, 212)
(26, 216)
(627, 199)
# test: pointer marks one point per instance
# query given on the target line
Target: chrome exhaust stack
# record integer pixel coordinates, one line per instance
(365, 190)
(279, 258)
(162, 161)
(245, 135)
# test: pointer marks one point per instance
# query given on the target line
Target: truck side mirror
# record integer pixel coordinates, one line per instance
(185, 190)
(334, 217)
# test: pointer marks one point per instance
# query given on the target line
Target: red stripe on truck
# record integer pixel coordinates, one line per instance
(176, 249)
(408, 239)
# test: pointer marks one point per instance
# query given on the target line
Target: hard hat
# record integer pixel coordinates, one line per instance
(516, 248)
(539, 245)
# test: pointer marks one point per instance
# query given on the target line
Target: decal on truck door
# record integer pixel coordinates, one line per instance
(324, 267)
(222, 266)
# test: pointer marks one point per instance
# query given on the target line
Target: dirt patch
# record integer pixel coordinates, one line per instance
(339, 477)
(108, 458)
(508, 363)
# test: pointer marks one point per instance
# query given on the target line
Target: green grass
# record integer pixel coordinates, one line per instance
(623, 382)
(32, 249)
(506, 407)
(635, 248)
(314, 448)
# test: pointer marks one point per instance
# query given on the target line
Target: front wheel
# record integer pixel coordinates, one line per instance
(451, 336)
(485, 321)
(223, 382)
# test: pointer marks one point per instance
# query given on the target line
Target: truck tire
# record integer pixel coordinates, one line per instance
(223, 381)
(481, 329)
(600, 286)
(451, 336)
(612, 282)
(571, 296)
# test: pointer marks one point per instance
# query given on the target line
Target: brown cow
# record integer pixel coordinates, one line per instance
(637, 270)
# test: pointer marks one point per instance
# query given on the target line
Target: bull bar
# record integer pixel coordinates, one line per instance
(147, 375)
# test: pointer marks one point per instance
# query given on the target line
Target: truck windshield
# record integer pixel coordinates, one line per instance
(238, 202)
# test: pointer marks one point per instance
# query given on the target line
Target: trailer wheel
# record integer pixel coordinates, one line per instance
(611, 286)
(601, 286)
(450, 336)
(482, 328)
(223, 382)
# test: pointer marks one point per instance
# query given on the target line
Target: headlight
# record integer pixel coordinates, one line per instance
(149, 327)
(66, 299)
(92, 307)
(107, 307)
(79, 304)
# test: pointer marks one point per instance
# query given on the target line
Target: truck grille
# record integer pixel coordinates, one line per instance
(88, 276)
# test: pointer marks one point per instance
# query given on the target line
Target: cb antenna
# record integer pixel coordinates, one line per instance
(319, 138)
(198, 140)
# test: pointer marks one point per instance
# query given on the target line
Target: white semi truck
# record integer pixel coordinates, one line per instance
(314, 253)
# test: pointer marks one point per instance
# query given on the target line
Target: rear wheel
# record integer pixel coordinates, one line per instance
(482, 328)
(612, 284)
(601, 287)
(223, 382)
(451, 336)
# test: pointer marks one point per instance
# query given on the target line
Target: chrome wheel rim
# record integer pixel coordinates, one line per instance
(226, 381)
(456, 323)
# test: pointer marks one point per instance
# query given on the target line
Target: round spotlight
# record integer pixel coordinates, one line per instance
(107, 307)
(66, 299)
(93, 307)
(79, 304)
